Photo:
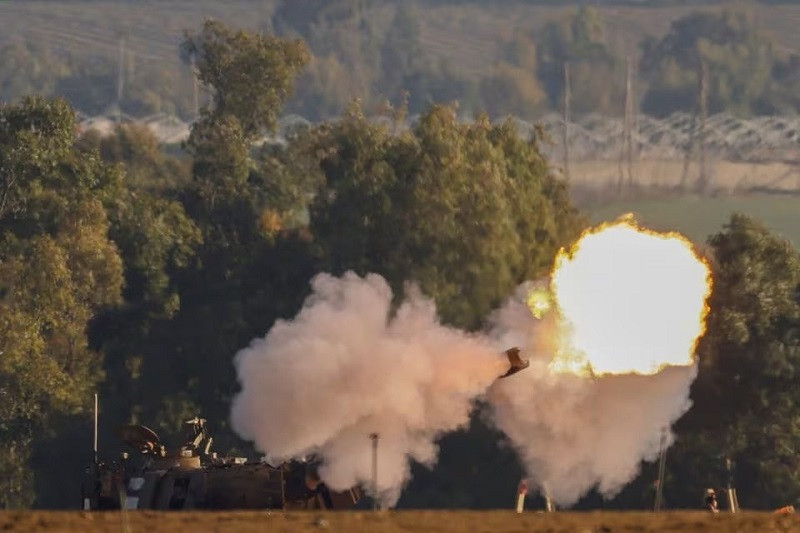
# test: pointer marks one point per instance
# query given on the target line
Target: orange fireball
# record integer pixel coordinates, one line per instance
(629, 300)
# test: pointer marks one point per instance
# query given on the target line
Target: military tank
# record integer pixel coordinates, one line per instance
(193, 477)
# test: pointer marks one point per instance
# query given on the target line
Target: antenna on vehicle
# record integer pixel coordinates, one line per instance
(95, 427)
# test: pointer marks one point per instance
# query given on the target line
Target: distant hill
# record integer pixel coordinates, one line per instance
(465, 35)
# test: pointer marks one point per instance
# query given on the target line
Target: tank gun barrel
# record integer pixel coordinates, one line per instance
(515, 362)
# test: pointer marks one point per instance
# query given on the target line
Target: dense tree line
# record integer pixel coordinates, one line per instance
(375, 52)
(140, 274)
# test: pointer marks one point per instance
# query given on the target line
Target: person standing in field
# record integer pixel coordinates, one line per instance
(711, 501)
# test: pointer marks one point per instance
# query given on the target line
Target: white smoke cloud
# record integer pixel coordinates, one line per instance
(575, 433)
(347, 366)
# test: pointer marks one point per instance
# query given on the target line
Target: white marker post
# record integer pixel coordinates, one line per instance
(521, 493)
(549, 504)
(375, 503)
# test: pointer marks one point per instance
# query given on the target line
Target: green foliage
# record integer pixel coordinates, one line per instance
(354, 61)
(348, 50)
(302, 15)
(739, 59)
(147, 166)
(745, 400)
(92, 86)
(16, 488)
(783, 96)
(118, 261)
(407, 73)
(220, 159)
(513, 87)
(210, 262)
(324, 87)
(595, 77)
(156, 239)
(465, 210)
(251, 75)
(29, 69)
(401, 51)
(58, 268)
(209, 274)
(378, 51)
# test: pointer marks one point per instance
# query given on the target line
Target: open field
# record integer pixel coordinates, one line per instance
(396, 521)
(699, 217)
(723, 176)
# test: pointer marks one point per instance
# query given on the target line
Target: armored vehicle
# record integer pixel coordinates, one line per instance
(193, 477)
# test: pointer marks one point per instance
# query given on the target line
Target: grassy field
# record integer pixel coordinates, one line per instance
(396, 522)
(724, 176)
(699, 217)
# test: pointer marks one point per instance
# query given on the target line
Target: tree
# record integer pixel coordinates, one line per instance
(513, 87)
(466, 210)
(29, 69)
(302, 15)
(738, 57)
(89, 259)
(237, 262)
(146, 164)
(595, 77)
(783, 96)
(745, 398)
(58, 269)
(409, 76)
(324, 88)
(250, 75)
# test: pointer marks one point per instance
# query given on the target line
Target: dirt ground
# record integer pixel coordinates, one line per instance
(394, 521)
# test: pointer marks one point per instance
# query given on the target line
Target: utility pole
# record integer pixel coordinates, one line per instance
(630, 108)
(120, 78)
(375, 503)
(697, 133)
(566, 120)
(687, 155)
(626, 146)
(702, 182)
(195, 89)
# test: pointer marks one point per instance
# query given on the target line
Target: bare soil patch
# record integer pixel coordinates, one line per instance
(394, 521)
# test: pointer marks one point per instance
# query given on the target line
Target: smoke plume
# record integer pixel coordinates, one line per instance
(348, 366)
(575, 433)
(573, 430)
(610, 338)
